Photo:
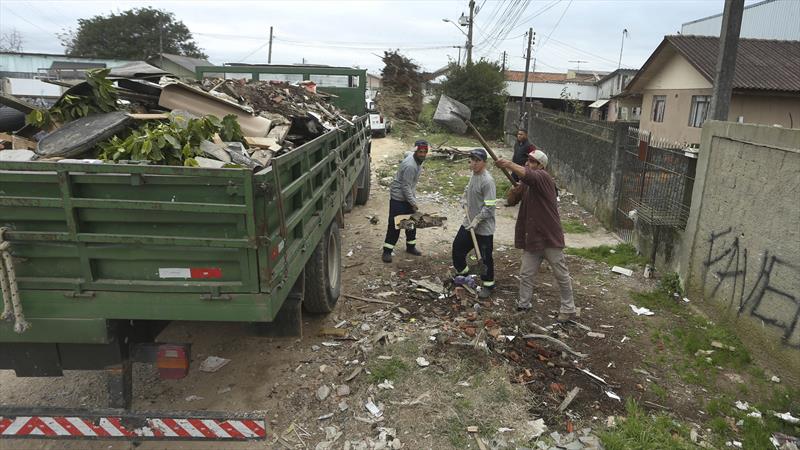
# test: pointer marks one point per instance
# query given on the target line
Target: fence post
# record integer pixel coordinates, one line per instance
(619, 140)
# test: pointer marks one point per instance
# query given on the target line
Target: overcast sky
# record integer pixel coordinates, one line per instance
(354, 33)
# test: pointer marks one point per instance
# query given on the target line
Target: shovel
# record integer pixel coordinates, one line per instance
(455, 116)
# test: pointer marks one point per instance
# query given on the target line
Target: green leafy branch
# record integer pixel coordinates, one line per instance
(173, 143)
(103, 98)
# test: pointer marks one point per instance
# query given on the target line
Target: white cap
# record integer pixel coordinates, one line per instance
(539, 155)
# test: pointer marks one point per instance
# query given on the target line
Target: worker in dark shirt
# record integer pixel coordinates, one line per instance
(521, 149)
(538, 230)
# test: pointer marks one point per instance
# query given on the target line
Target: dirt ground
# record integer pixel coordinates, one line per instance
(480, 370)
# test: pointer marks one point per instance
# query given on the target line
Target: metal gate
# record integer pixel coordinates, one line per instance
(656, 184)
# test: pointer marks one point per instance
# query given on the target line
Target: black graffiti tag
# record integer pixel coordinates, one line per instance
(763, 299)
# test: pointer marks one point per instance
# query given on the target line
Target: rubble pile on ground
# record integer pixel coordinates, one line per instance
(158, 120)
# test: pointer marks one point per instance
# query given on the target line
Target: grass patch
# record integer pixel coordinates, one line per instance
(574, 226)
(387, 369)
(409, 133)
(446, 177)
(699, 333)
(658, 391)
(641, 431)
(619, 255)
(656, 301)
(753, 432)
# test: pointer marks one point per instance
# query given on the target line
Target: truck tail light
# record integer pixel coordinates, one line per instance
(172, 361)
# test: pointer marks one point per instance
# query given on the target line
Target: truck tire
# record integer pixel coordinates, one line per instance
(364, 179)
(324, 273)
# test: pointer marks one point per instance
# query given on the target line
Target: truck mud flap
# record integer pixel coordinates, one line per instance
(41, 423)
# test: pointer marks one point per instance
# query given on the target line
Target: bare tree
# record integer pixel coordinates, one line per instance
(11, 41)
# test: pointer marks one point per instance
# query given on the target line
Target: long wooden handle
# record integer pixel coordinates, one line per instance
(475, 244)
(489, 150)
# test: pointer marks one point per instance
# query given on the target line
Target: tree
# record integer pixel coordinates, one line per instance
(401, 89)
(137, 33)
(481, 87)
(11, 41)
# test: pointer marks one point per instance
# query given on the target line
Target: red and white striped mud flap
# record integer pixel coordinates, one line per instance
(39, 423)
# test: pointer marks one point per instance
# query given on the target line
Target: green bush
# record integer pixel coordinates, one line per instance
(481, 87)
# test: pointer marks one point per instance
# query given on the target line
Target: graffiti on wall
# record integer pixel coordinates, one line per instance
(753, 294)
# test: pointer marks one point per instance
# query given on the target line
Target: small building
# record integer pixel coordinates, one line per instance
(675, 85)
(181, 66)
(553, 90)
(24, 75)
(374, 83)
(608, 106)
(770, 19)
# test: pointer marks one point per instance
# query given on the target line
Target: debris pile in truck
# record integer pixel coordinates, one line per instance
(126, 117)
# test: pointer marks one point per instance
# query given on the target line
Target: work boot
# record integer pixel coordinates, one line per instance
(565, 317)
(413, 250)
(485, 293)
(387, 257)
(524, 306)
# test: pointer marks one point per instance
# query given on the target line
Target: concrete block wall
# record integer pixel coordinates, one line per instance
(742, 253)
(584, 162)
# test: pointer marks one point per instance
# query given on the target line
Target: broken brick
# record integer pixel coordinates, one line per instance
(514, 356)
(489, 323)
(470, 331)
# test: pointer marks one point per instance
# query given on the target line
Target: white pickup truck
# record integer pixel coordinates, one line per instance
(379, 124)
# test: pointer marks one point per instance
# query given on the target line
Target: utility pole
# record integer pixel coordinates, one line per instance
(269, 58)
(624, 33)
(469, 33)
(726, 60)
(504, 61)
(525, 80)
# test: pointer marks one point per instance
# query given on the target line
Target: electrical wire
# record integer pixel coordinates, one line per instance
(28, 21)
(556, 25)
(372, 47)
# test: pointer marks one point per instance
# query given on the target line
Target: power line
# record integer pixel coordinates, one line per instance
(325, 45)
(253, 52)
(556, 25)
(28, 21)
(556, 41)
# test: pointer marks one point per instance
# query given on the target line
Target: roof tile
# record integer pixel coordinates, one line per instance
(761, 64)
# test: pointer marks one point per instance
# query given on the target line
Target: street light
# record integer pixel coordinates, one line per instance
(457, 27)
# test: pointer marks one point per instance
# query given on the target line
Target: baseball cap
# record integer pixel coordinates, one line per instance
(539, 156)
(478, 153)
(421, 144)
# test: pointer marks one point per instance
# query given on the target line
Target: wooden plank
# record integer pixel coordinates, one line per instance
(18, 142)
(159, 116)
(262, 142)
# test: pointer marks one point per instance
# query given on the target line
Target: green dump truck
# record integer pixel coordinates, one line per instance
(104, 256)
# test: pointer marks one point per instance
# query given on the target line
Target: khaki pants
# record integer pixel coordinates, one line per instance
(530, 267)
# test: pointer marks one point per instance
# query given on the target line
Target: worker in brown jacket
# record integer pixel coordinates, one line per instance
(538, 230)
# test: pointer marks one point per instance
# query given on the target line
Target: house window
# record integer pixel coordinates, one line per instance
(659, 103)
(700, 105)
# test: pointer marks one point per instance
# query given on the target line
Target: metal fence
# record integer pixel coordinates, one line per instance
(657, 182)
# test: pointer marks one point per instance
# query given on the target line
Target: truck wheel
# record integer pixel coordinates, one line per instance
(324, 273)
(364, 179)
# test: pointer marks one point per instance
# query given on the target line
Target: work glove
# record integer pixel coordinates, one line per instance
(474, 223)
